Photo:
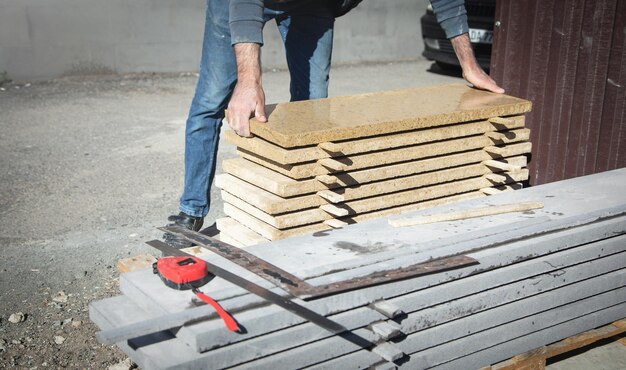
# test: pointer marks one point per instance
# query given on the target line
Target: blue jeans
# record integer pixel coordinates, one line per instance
(308, 44)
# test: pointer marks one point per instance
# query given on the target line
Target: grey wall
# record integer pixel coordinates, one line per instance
(41, 39)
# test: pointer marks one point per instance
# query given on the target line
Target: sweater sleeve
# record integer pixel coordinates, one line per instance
(452, 16)
(246, 21)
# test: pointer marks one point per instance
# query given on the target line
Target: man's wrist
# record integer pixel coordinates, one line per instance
(248, 63)
(463, 50)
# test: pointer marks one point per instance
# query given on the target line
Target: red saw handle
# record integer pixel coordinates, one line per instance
(231, 324)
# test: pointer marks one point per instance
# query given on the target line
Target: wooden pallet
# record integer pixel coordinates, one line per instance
(536, 358)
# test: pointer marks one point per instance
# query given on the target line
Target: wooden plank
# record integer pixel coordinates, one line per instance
(284, 186)
(325, 150)
(340, 118)
(586, 338)
(273, 204)
(144, 261)
(135, 263)
(559, 329)
(541, 354)
(461, 215)
(386, 157)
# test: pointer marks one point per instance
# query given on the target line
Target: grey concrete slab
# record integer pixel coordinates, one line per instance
(466, 316)
(120, 310)
(546, 336)
(174, 349)
(218, 330)
(444, 312)
(455, 352)
(210, 334)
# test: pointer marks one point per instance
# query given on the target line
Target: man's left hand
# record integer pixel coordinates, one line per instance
(472, 72)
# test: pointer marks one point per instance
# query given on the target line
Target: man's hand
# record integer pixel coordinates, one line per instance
(472, 72)
(248, 97)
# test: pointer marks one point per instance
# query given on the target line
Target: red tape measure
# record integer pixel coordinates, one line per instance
(184, 273)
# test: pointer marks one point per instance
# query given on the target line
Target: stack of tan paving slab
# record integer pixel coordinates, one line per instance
(325, 163)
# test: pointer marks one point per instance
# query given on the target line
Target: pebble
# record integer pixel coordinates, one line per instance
(17, 317)
(76, 323)
(123, 365)
(60, 297)
(59, 339)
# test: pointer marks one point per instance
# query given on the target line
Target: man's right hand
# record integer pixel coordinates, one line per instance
(248, 98)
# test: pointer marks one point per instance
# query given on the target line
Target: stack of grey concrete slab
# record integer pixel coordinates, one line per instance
(541, 276)
(330, 162)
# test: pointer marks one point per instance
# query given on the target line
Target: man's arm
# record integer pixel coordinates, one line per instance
(472, 72)
(246, 27)
(452, 16)
(248, 97)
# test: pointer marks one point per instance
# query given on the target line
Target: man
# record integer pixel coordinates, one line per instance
(230, 76)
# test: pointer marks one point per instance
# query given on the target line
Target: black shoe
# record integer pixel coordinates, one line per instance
(188, 222)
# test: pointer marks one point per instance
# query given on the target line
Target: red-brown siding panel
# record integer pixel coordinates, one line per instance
(568, 58)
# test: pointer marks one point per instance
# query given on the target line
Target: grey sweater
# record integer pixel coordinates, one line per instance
(246, 16)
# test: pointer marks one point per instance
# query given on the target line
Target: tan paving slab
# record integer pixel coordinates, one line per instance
(316, 215)
(385, 157)
(236, 231)
(266, 230)
(341, 118)
(385, 212)
(273, 233)
(281, 155)
(263, 199)
(285, 187)
(272, 204)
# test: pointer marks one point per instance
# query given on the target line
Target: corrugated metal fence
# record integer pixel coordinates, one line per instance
(569, 58)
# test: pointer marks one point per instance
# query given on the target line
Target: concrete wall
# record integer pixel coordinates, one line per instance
(41, 39)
